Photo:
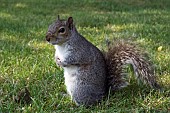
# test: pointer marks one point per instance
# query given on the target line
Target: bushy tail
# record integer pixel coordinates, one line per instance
(118, 56)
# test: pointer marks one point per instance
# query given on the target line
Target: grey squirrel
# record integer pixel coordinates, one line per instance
(88, 73)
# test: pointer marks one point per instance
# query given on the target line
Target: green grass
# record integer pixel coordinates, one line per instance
(27, 60)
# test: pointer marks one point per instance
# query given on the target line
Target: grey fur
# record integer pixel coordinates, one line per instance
(85, 66)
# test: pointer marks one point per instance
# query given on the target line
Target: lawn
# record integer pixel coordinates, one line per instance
(27, 60)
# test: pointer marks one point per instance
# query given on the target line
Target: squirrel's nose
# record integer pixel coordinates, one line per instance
(47, 38)
(48, 35)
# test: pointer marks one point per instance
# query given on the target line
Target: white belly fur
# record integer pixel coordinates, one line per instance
(70, 78)
(61, 52)
(70, 71)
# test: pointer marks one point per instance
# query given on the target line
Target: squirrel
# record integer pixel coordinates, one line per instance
(89, 73)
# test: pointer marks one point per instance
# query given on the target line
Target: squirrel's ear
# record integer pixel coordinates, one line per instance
(70, 23)
(58, 17)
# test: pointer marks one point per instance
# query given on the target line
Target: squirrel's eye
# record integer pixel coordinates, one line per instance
(61, 30)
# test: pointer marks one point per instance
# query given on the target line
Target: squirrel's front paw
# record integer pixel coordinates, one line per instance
(59, 63)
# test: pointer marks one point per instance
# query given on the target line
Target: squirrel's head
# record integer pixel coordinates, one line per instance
(60, 31)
